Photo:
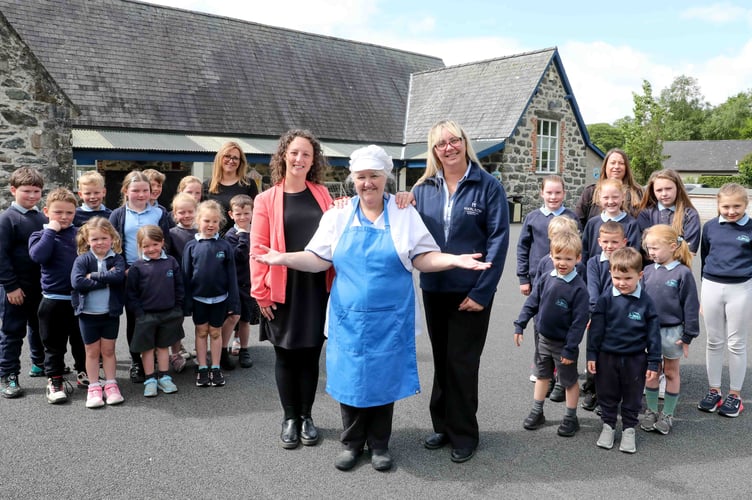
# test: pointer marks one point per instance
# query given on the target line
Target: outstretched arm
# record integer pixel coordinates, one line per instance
(431, 262)
(302, 261)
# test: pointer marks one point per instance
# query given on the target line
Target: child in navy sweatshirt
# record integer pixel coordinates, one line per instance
(670, 283)
(559, 302)
(155, 294)
(624, 339)
(211, 289)
(54, 248)
(726, 298)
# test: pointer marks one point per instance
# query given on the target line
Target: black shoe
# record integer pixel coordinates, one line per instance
(534, 421)
(244, 358)
(289, 436)
(598, 410)
(436, 440)
(309, 434)
(381, 460)
(551, 385)
(202, 378)
(589, 401)
(347, 459)
(225, 362)
(558, 394)
(137, 373)
(460, 455)
(217, 378)
(569, 426)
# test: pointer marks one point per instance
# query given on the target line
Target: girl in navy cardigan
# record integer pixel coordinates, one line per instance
(726, 297)
(671, 285)
(98, 297)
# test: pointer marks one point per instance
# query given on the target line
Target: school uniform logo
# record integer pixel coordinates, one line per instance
(220, 255)
(634, 315)
(170, 273)
(673, 283)
(743, 237)
(562, 304)
(473, 209)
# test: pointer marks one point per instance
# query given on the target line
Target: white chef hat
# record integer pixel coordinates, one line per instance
(370, 158)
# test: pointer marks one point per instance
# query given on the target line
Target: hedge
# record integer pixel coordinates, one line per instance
(716, 181)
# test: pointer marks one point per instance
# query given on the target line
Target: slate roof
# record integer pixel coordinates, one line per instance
(487, 98)
(131, 65)
(705, 156)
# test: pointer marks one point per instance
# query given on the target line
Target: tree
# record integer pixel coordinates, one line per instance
(606, 136)
(731, 119)
(745, 170)
(644, 134)
(685, 110)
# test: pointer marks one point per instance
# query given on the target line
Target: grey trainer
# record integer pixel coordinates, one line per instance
(606, 439)
(628, 444)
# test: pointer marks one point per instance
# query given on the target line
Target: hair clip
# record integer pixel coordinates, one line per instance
(679, 239)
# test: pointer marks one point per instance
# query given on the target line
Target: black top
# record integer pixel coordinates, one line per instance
(299, 322)
(17, 270)
(225, 194)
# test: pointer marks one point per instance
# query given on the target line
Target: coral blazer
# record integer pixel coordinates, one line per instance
(268, 283)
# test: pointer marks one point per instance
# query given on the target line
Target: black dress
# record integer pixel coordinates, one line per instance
(299, 322)
(225, 194)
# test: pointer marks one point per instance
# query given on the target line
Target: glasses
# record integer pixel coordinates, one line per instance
(454, 142)
(231, 158)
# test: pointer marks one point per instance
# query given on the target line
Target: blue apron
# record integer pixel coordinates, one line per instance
(370, 353)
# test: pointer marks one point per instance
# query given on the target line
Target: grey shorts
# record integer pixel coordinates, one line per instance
(669, 336)
(548, 357)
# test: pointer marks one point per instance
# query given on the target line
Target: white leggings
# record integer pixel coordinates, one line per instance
(727, 311)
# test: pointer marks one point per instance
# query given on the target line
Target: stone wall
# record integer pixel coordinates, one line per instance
(35, 117)
(517, 160)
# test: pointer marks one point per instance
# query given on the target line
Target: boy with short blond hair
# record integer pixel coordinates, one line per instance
(55, 249)
(19, 277)
(559, 302)
(623, 348)
(92, 191)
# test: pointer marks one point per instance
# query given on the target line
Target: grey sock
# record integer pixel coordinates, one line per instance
(571, 412)
(537, 406)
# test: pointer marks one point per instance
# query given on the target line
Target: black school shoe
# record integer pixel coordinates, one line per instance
(534, 421)
(569, 427)
(558, 394)
(137, 373)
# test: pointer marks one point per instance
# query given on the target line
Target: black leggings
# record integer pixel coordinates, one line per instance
(297, 375)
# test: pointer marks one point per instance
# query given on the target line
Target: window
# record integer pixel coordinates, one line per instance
(547, 161)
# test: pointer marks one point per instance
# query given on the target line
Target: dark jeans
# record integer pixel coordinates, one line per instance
(19, 322)
(372, 426)
(57, 327)
(457, 341)
(620, 379)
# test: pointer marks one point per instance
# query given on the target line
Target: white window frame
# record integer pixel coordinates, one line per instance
(547, 155)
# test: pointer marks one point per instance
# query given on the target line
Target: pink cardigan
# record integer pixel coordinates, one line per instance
(268, 283)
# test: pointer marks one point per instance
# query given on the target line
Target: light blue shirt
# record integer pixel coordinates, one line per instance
(567, 277)
(133, 221)
(545, 211)
(98, 301)
(636, 293)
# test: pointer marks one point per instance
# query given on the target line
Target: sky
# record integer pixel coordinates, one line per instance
(607, 48)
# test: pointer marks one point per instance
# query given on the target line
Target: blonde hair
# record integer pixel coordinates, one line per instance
(155, 175)
(217, 170)
(182, 198)
(130, 178)
(90, 178)
(626, 259)
(188, 179)
(566, 242)
(663, 233)
(561, 224)
(552, 178)
(682, 203)
(97, 224)
(433, 164)
(604, 183)
(211, 206)
(151, 232)
(733, 189)
(60, 194)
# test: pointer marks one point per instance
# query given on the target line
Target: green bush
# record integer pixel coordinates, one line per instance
(716, 181)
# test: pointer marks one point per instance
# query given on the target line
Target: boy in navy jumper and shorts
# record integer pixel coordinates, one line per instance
(623, 326)
(559, 301)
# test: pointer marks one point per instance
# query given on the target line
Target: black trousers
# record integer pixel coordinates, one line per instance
(297, 374)
(457, 341)
(58, 326)
(620, 379)
(372, 426)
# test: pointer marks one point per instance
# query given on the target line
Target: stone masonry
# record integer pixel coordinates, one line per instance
(35, 117)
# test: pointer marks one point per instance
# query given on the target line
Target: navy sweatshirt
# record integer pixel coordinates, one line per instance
(179, 238)
(690, 224)
(17, 270)
(625, 324)
(209, 271)
(534, 243)
(674, 294)
(154, 285)
(241, 243)
(55, 253)
(590, 246)
(726, 251)
(560, 309)
(598, 278)
(84, 215)
(113, 277)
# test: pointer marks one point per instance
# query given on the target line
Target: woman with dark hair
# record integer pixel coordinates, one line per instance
(292, 303)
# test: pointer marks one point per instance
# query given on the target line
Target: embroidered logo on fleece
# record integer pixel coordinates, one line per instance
(743, 237)
(220, 255)
(562, 303)
(473, 209)
(169, 273)
(673, 283)
(635, 316)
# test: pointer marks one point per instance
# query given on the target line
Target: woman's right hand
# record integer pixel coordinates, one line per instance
(268, 311)
(403, 199)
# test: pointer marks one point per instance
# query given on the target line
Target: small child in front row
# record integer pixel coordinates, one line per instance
(54, 249)
(559, 302)
(211, 289)
(610, 237)
(672, 287)
(623, 348)
(91, 190)
(726, 297)
(241, 212)
(98, 298)
(155, 294)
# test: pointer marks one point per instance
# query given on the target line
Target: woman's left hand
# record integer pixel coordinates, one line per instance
(470, 305)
